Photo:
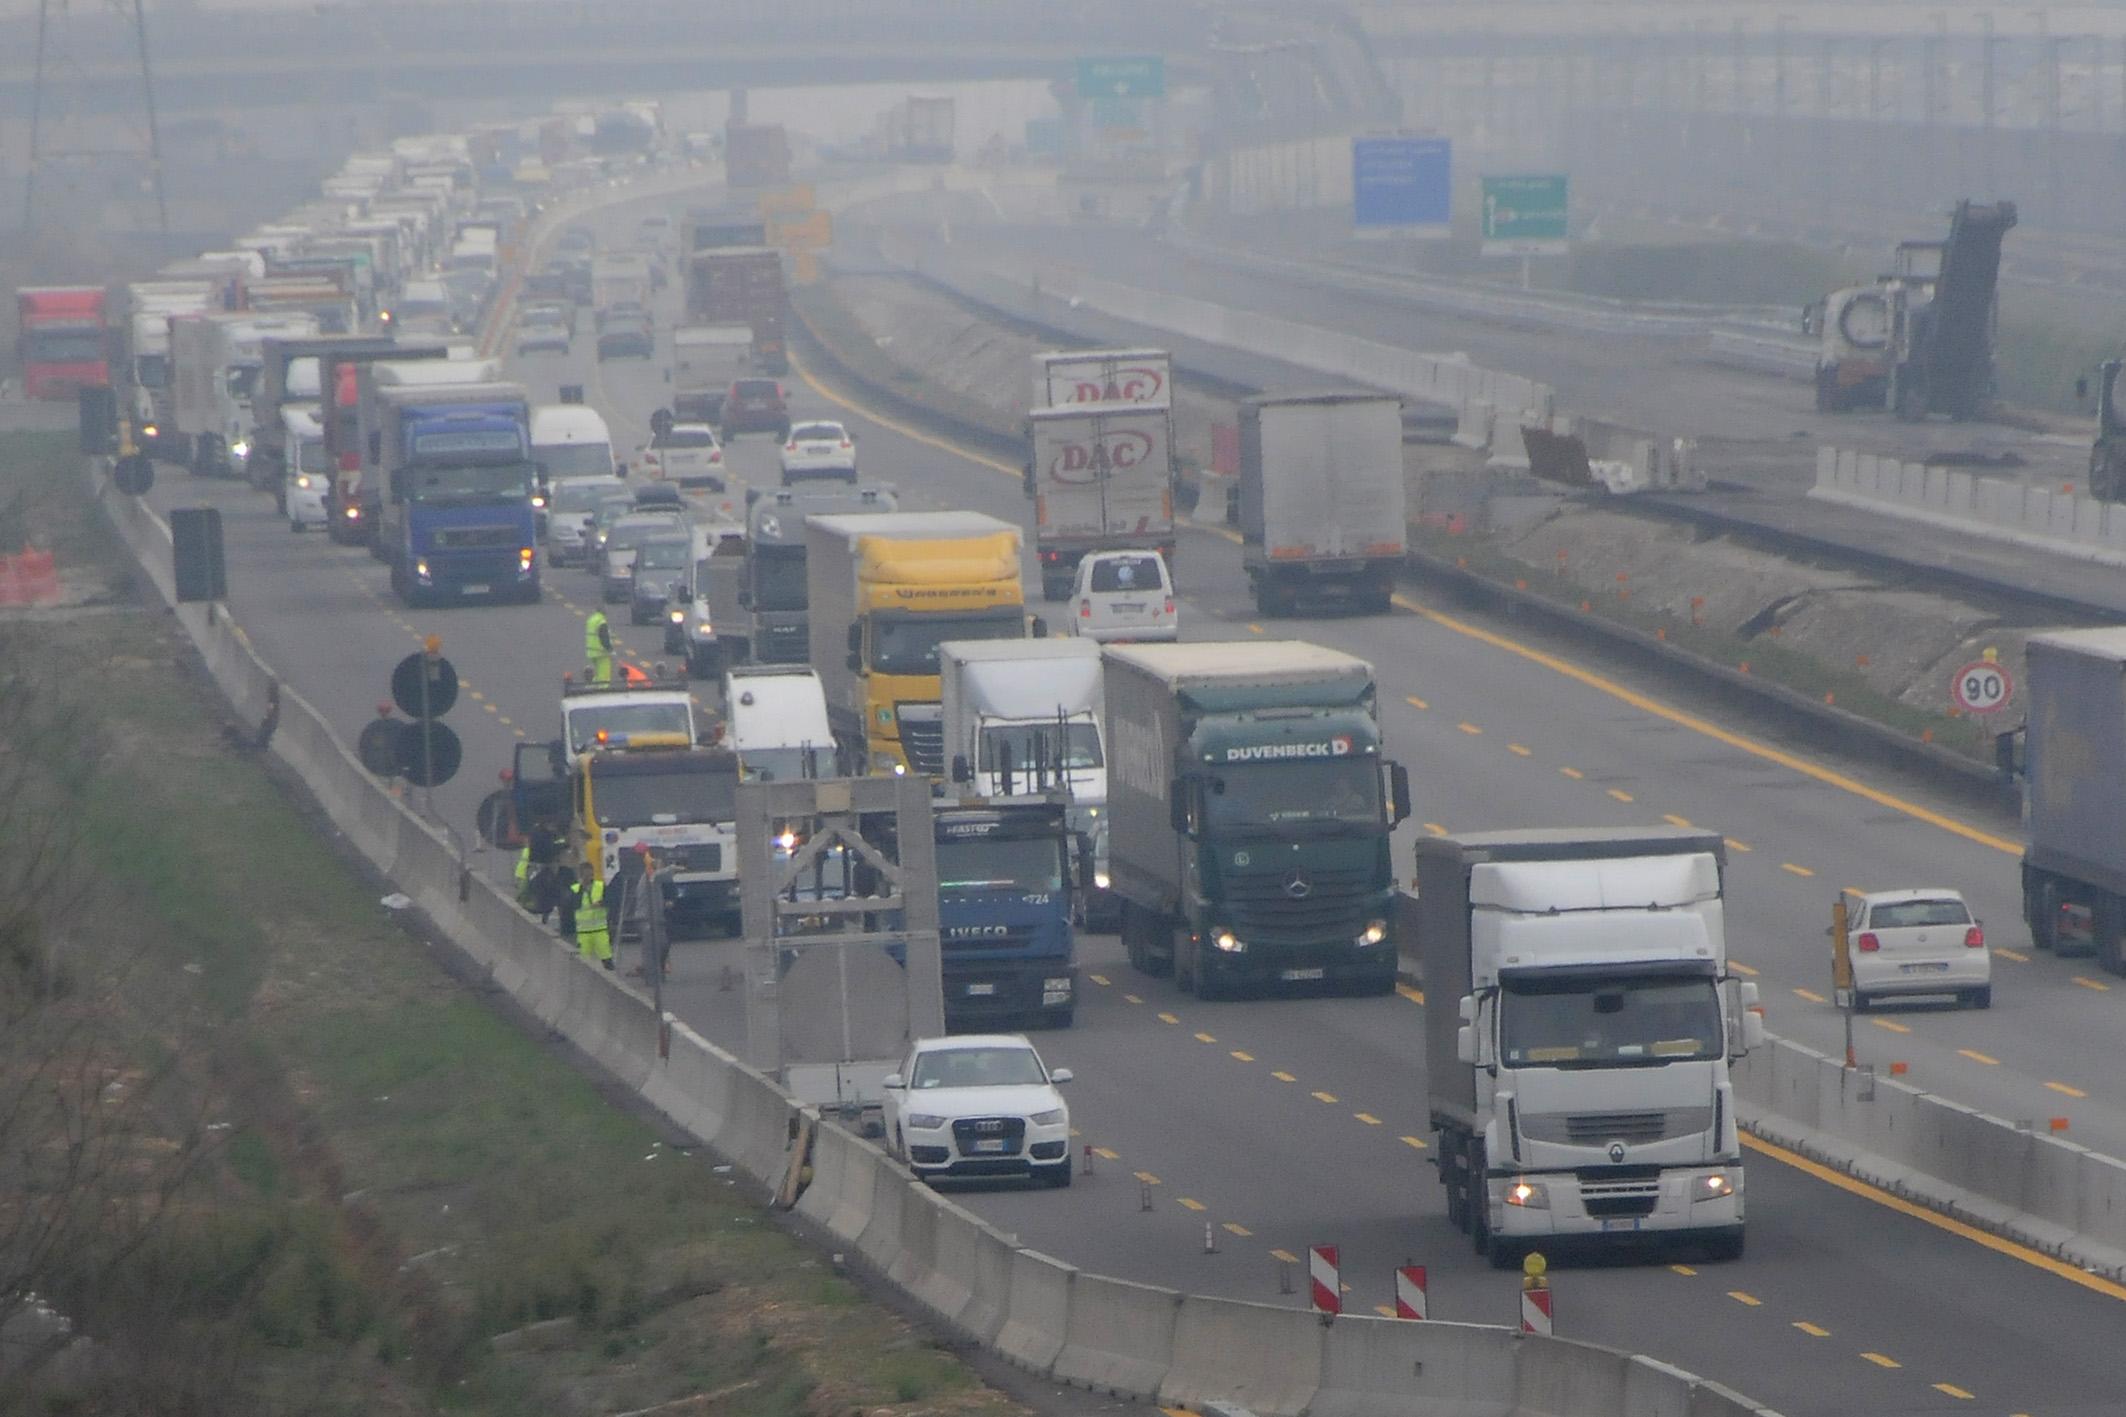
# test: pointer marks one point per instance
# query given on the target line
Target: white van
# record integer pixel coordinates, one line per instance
(571, 440)
(775, 719)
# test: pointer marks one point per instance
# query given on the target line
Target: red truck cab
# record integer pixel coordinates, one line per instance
(63, 339)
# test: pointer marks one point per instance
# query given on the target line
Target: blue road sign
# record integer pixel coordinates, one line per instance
(1401, 186)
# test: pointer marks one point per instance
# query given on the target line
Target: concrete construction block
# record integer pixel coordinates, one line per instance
(1038, 1314)
(1958, 495)
(925, 1215)
(2061, 521)
(1119, 1337)
(2052, 1183)
(986, 1267)
(2100, 1190)
(1262, 1357)
(1656, 1389)
(758, 1138)
(694, 1086)
(1867, 475)
(2089, 517)
(1912, 482)
(1509, 449)
(1937, 486)
(1560, 1378)
(844, 1171)
(880, 1242)
(1373, 1367)
(1710, 1399)
(2037, 509)
(1826, 465)
(1473, 424)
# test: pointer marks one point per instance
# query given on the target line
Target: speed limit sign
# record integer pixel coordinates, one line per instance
(1983, 687)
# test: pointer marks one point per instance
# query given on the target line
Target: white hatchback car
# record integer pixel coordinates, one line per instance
(818, 450)
(1918, 942)
(1124, 596)
(979, 1105)
(687, 456)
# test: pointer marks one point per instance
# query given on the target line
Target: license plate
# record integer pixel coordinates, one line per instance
(1630, 1223)
(981, 991)
(476, 589)
(990, 1144)
(1128, 607)
(1932, 966)
(1300, 976)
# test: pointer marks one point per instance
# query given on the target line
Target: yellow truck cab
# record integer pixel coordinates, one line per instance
(680, 801)
(884, 589)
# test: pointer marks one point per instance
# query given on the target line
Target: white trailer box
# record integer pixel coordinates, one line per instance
(1101, 477)
(1103, 376)
(1322, 502)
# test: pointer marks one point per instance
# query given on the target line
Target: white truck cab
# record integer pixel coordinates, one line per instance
(658, 713)
(775, 718)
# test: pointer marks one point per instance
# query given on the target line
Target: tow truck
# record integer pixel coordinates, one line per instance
(595, 715)
(656, 790)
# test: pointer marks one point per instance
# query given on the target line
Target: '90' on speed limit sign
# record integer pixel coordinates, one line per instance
(1983, 687)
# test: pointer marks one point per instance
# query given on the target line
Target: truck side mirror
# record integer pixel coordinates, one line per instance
(961, 772)
(856, 639)
(1085, 862)
(1398, 794)
(1178, 815)
(1465, 1008)
(855, 662)
(1465, 1045)
(2081, 389)
(1037, 628)
(1749, 1023)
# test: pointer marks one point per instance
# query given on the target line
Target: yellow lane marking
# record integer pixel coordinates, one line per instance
(1675, 821)
(474, 694)
(1205, 1038)
(1415, 702)
(1147, 1178)
(1168, 1018)
(1368, 1118)
(1187, 1203)
(1105, 1154)
(1742, 969)
(1243, 1057)
(1952, 1390)
(1706, 728)
(492, 709)
(1414, 995)
(1620, 794)
(1177, 1412)
(1685, 1270)
(1882, 1360)
(2097, 984)
(1100, 979)
(1386, 1311)
(1791, 868)
(1518, 751)
(1254, 629)
(1851, 890)
(2005, 953)
(1812, 1330)
(1977, 1057)
(1324, 1097)
(507, 721)
(1574, 773)
(2073, 1274)
(2061, 1087)
(1234, 1227)
(1416, 1143)
(518, 731)
(1891, 1025)
(1734, 845)
(1811, 995)
(1469, 728)
(1435, 828)
(1286, 1255)
(1284, 1077)
(1748, 1300)
(1132, 999)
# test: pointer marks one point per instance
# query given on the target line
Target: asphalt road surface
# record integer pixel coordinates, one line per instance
(1269, 1125)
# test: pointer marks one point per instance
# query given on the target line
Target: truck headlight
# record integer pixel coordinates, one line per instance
(1054, 1117)
(524, 558)
(678, 616)
(420, 570)
(917, 1121)
(1714, 1187)
(1100, 880)
(1529, 1195)
(149, 430)
(240, 449)
(1374, 933)
(303, 482)
(1226, 940)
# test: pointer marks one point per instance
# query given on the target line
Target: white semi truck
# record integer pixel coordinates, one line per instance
(1579, 1025)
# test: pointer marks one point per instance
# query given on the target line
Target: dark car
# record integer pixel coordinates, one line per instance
(660, 565)
(755, 406)
(630, 341)
(549, 284)
(659, 494)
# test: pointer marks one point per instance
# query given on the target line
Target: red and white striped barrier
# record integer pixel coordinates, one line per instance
(1327, 1285)
(1410, 1291)
(1536, 1311)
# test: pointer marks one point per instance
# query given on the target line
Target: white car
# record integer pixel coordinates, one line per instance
(687, 456)
(979, 1105)
(309, 476)
(818, 450)
(1124, 596)
(1918, 942)
(571, 511)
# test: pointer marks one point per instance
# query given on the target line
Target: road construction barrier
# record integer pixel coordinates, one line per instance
(2063, 523)
(28, 578)
(1324, 1281)
(1118, 1337)
(1247, 1354)
(1411, 1301)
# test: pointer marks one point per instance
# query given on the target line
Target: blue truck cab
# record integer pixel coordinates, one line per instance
(455, 495)
(1010, 872)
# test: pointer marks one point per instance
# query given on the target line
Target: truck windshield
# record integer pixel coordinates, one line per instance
(1033, 865)
(243, 378)
(62, 347)
(645, 799)
(584, 723)
(1019, 746)
(779, 578)
(575, 460)
(1584, 1022)
(787, 764)
(310, 456)
(462, 483)
(910, 645)
(1337, 790)
(152, 371)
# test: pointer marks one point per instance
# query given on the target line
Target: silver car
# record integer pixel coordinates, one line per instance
(660, 577)
(616, 575)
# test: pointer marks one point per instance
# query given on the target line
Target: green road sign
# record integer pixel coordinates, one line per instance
(1126, 76)
(1524, 215)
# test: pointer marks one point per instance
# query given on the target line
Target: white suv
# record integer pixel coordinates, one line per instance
(1918, 942)
(979, 1105)
(1124, 596)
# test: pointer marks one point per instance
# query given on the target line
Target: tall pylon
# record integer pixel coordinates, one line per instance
(58, 68)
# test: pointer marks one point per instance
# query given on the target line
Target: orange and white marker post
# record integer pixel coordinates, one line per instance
(1410, 1301)
(1536, 1309)
(1328, 1294)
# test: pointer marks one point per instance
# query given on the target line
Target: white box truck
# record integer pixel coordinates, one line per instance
(1580, 1019)
(1101, 478)
(1102, 376)
(214, 365)
(1322, 506)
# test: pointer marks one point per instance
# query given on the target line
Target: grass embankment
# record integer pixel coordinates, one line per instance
(382, 1195)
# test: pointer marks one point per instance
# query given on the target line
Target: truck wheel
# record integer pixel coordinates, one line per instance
(1137, 934)
(2041, 909)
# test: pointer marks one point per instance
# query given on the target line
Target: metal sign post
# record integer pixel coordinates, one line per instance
(1842, 969)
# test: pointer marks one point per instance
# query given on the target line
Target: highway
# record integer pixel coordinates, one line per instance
(1283, 1123)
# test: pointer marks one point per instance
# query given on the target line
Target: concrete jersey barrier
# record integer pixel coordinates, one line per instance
(2059, 523)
